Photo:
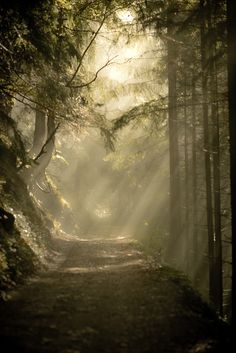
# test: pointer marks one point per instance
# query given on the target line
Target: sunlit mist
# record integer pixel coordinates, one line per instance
(115, 163)
(125, 16)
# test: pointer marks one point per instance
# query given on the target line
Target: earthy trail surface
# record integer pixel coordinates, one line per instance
(106, 297)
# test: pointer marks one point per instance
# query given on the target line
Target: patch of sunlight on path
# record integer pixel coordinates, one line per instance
(95, 254)
(106, 267)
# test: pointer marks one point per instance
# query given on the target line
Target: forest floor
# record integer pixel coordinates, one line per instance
(105, 296)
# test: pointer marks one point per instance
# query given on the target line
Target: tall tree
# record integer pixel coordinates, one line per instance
(231, 25)
(215, 159)
(207, 151)
(175, 203)
(194, 171)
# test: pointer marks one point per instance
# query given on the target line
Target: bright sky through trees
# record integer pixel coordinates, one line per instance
(125, 16)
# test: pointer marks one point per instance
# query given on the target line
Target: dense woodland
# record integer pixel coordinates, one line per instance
(117, 118)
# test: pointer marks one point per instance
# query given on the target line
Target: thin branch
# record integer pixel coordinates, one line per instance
(173, 40)
(109, 62)
(75, 116)
(42, 189)
(87, 49)
(24, 80)
(36, 103)
(45, 144)
(3, 47)
(24, 97)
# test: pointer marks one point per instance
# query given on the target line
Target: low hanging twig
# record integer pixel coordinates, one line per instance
(42, 151)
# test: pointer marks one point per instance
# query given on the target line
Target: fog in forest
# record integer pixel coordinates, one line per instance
(103, 192)
(118, 130)
(118, 185)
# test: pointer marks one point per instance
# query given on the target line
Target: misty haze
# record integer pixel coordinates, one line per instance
(117, 169)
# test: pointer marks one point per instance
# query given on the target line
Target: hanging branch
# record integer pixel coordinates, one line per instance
(45, 144)
(42, 108)
(109, 62)
(87, 49)
(7, 91)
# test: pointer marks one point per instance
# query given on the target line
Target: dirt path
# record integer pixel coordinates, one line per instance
(106, 298)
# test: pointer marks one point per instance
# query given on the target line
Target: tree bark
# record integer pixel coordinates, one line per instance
(44, 127)
(40, 132)
(44, 159)
(207, 145)
(231, 25)
(194, 174)
(186, 179)
(216, 167)
(175, 208)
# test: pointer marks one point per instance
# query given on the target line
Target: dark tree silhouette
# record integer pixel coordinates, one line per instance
(231, 25)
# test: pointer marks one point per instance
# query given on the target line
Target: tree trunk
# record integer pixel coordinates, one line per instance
(194, 175)
(40, 132)
(175, 208)
(231, 24)
(186, 180)
(216, 168)
(44, 159)
(206, 147)
(44, 128)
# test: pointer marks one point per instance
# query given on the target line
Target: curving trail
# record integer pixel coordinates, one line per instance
(105, 297)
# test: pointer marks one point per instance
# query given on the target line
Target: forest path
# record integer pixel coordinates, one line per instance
(105, 297)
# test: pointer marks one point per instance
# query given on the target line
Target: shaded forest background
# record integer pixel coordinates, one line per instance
(117, 119)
